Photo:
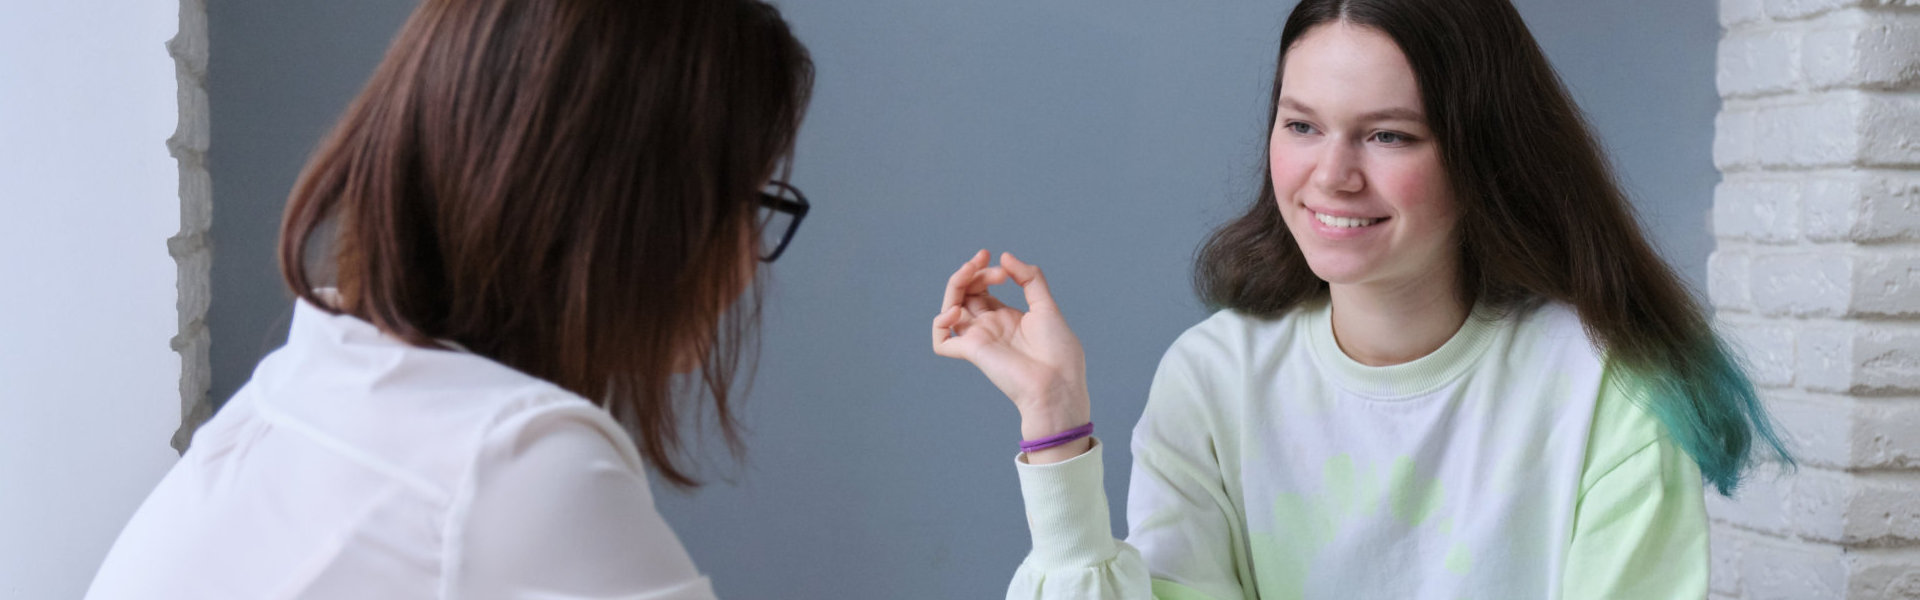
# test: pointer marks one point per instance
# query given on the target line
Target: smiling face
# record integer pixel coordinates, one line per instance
(1356, 171)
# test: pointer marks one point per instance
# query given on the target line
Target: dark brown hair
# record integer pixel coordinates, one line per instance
(1541, 218)
(567, 187)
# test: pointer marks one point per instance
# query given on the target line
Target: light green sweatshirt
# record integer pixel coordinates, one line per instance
(1268, 464)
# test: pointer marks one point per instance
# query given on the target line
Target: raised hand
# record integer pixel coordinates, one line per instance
(1033, 357)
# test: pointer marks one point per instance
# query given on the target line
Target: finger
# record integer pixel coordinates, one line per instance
(1031, 281)
(957, 285)
(963, 322)
(956, 319)
(947, 318)
(950, 347)
(943, 327)
(948, 334)
(986, 278)
(961, 279)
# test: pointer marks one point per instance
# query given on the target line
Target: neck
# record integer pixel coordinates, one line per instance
(1388, 324)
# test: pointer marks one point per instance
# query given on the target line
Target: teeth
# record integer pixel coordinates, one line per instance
(1344, 222)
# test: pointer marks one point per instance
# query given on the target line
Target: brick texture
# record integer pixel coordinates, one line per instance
(1816, 279)
(189, 246)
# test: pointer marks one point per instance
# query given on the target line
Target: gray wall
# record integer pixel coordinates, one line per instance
(1099, 139)
(279, 72)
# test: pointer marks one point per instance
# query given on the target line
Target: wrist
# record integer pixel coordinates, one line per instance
(1058, 409)
(1042, 423)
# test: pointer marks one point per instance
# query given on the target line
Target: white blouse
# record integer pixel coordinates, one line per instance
(356, 466)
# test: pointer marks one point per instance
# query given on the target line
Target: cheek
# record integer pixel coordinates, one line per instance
(1418, 189)
(1290, 170)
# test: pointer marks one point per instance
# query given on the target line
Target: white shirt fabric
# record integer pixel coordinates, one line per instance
(356, 466)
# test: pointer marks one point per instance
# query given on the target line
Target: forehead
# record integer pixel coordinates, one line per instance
(1349, 68)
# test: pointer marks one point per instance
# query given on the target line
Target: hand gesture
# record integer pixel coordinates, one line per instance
(1032, 357)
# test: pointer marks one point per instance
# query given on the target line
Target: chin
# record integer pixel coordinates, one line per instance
(1339, 277)
(1341, 270)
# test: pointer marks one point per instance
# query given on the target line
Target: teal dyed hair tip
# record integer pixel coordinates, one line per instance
(1712, 411)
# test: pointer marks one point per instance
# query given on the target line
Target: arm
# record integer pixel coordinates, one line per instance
(1180, 515)
(1038, 363)
(1640, 525)
(1074, 554)
(1183, 529)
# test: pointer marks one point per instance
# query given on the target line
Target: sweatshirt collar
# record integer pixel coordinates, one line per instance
(1417, 377)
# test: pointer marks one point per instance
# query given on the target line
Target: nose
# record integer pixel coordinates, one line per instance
(1338, 170)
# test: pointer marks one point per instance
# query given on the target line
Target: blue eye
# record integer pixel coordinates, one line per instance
(1299, 128)
(1391, 138)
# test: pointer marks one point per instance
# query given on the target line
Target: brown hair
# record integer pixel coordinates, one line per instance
(1540, 218)
(567, 187)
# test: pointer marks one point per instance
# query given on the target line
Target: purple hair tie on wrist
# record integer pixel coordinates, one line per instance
(1057, 439)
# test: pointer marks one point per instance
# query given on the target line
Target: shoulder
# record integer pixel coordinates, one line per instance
(1640, 524)
(1550, 322)
(425, 415)
(1624, 432)
(1211, 362)
(538, 434)
(550, 463)
(1235, 324)
(1546, 335)
(554, 424)
(559, 501)
(1231, 338)
(551, 447)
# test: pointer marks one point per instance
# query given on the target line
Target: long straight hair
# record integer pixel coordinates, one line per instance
(567, 187)
(1541, 218)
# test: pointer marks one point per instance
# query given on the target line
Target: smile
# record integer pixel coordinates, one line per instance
(1345, 222)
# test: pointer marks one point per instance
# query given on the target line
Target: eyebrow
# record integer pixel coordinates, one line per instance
(1389, 114)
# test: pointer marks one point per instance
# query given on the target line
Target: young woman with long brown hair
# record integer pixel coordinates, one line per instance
(1449, 364)
(528, 234)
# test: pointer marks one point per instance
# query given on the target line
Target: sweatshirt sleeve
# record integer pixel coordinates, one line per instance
(1185, 535)
(1640, 524)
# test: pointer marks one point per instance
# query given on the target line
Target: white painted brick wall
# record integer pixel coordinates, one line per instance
(1823, 129)
(189, 246)
(1816, 278)
(1887, 435)
(1774, 569)
(1881, 573)
(1818, 504)
(1864, 206)
(1872, 358)
(1838, 432)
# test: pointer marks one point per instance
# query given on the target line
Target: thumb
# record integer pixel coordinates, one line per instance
(1031, 281)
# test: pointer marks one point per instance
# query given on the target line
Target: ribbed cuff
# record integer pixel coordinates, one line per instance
(1067, 511)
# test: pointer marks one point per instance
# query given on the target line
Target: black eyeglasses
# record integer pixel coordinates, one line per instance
(781, 208)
